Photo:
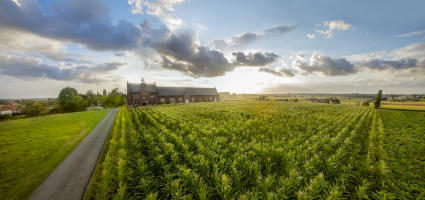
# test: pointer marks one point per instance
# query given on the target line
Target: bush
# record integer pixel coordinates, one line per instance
(357, 103)
(365, 104)
(160, 103)
(5, 116)
(296, 100)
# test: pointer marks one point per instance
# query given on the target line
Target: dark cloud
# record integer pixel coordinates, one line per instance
(379, 65)
(325, 65)
(254, 59)
(88, 22)
(251, 37)
(219, 44)
(79, 21)
(119, 54)
(31, 68)
(283, 72)
(280, 29)
(245, 38)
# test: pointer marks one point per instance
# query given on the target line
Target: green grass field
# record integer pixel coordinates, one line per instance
(405, 147)
(30, 149)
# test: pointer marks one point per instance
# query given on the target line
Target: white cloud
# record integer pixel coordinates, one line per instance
(312, 36)
(412, 33)
(160, 8)
(338, 25)
(334, 25)
(412, 51)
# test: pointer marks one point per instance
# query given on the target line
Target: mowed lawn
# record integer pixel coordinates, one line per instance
(30, 149)
(405, 148)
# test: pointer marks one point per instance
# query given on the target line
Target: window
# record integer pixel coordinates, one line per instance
(216, 99)
(200, 99)
(210, 98)
(136, 96)
(152, 96)
(162, 100)
(180, 100)
(172, 100)
(193, 100)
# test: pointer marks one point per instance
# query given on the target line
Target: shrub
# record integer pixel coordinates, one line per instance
(160, 103)
(365, 104)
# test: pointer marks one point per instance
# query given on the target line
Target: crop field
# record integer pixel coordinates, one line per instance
(245, 150)
(405, 146)
(30, 149)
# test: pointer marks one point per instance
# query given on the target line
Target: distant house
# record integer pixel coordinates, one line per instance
(316, 101)
(291, 100)
(6, 110)
(409, 100)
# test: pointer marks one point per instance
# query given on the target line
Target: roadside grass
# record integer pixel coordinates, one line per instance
(30, 149)
(405, 146)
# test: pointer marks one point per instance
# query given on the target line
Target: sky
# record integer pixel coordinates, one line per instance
(316, 46)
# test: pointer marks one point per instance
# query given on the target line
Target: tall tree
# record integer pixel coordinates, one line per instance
(90, 93)
(68, 99)
(104, 92)
(377, 102)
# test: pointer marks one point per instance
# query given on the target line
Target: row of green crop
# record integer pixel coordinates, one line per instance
(252, 150)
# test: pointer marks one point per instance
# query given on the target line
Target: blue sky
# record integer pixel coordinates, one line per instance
(236, 46)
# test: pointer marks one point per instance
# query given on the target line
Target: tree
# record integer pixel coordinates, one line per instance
(90, 93)
(104, 92)
(89, 101)
(377, 102)
(68, 99)
(33, 109)
(365, 104)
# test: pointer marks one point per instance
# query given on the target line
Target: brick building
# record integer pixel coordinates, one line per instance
(140, 94)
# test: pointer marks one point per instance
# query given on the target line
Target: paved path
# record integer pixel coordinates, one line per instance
(71, 177)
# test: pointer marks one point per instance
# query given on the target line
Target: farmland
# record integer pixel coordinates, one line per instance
(30, 149)
(245, 150)
(405, 147)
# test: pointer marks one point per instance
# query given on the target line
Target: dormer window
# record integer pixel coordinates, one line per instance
(136, 96)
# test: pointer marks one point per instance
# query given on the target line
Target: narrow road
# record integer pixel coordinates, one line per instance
(70, 178)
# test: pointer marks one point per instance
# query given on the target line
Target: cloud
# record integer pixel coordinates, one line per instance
(249, 37)
(72, 21)
(254, 59)
(282, 72)
(75, 21)
(312, 36)
(32, 68)
(334, 25)
(324, 65)
(379, 65)
(161, 8)
(338, 25)
(27, 43)
(280, 29)
(245, 38)
(412, 33)
(412, 51)
(119, 54)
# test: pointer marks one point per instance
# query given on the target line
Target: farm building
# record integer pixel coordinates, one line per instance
(141, 94)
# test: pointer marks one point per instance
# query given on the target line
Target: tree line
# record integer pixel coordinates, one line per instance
(69, 100)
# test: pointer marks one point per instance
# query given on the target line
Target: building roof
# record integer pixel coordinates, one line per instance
(151, 88)
(11, 107)
(179, 91)
(134, 87)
